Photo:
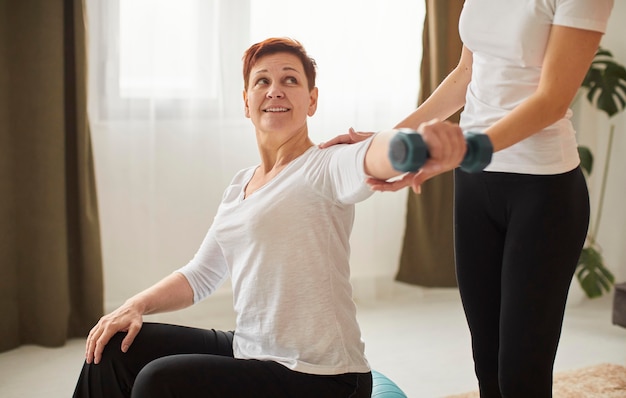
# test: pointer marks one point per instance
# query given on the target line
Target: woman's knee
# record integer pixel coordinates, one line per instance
(112, 352)
(152, 381)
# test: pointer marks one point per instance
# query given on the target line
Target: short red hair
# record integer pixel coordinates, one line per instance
(278, 45)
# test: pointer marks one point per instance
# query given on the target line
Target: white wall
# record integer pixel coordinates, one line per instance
(593, 130)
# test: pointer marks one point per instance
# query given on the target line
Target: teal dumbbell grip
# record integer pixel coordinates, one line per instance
(478, 154)
(408, 151)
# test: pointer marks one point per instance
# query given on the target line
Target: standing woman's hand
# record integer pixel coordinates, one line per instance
(126, 318)
(446, 148)
(351, 138)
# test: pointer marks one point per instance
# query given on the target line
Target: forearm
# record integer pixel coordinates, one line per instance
(377, 163)
(171, 293)
(444, 102)
(530, 117)
(447, 98)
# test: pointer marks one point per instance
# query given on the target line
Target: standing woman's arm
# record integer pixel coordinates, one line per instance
(568, 56)
(445, 142)
(448, 97)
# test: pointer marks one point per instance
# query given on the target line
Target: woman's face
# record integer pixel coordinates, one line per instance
(278, 99)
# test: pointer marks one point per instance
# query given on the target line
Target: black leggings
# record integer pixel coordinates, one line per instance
(178, 361)
(517, 243)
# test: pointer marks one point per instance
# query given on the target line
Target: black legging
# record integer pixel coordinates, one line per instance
(517, 242)
(177, 361)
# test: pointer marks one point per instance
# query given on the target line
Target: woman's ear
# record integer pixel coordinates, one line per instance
(245, 104)
(313, 102)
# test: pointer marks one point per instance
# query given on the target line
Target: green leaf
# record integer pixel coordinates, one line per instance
(586, 158)
(593, 276)
(606, 83)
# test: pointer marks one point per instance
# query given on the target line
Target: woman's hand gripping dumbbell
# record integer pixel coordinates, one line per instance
(408, 152)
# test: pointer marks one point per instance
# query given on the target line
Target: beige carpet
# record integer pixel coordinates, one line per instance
(599, 381)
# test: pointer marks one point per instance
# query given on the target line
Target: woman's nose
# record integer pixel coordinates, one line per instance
(275, 92)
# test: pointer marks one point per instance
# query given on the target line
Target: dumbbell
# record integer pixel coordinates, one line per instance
(408, 151)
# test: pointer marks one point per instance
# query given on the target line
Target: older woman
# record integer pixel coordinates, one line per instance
(281, 234)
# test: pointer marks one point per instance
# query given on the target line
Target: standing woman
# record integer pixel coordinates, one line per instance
(520, 225)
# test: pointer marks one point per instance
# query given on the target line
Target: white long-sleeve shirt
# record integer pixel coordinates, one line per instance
(286, 249)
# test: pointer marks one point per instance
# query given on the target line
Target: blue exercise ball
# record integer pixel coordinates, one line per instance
(382, 387)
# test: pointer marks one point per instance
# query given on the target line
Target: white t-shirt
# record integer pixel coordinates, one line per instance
(508, 40)
(286, 248)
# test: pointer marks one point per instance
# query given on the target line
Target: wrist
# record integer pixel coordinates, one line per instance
(136, 304)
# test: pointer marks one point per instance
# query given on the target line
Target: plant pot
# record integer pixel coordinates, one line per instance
(619, 305)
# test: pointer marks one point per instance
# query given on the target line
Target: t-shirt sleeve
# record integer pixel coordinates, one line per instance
(583, 14)
(346, 169)
(207, 270)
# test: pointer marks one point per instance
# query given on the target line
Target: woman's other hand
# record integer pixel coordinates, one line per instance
(351, 138)
(125, 319)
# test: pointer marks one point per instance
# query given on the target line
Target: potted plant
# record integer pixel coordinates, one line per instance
(605, 84)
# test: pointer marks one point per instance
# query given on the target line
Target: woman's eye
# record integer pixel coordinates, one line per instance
(291, 80)
(262, 81)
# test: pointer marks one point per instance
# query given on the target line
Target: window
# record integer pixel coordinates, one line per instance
(167, 49)
(160, 59)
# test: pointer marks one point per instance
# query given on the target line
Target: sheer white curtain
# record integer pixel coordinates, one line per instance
(168, 126)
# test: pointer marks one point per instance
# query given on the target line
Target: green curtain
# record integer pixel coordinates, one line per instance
(50, 257)
(427, 257)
